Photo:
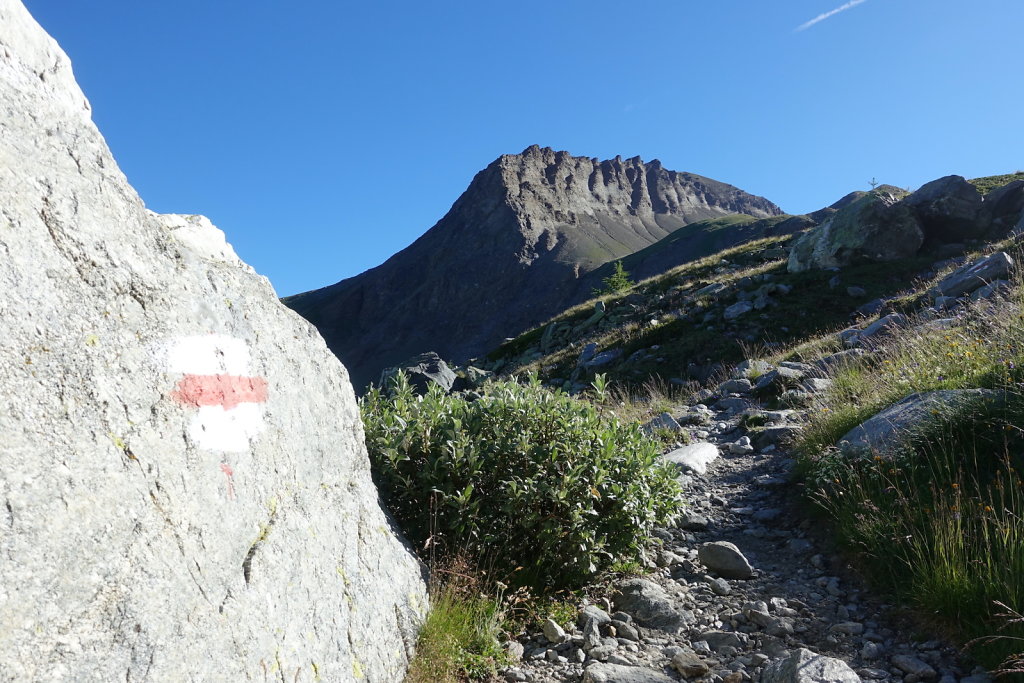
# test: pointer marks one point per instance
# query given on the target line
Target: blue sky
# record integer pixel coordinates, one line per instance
(323, 136)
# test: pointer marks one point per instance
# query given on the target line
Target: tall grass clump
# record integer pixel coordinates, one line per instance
(541, 488)
(642, 401)
(1013, 663)
(983, 347)
(459, 640)
(938, 515)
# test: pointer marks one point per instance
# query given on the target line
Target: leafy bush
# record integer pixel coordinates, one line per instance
(518, 476)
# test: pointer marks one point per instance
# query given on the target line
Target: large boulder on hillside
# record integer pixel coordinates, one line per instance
(972, 276)
(948, 210)
(423, 371)
(887, 431)
(1004, 208)
(875, 227)
(186, 494)
(822, 215)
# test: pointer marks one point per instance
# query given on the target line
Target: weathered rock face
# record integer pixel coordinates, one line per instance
(509, 254)
(184, 486)
(948, 209)
(885, 432)
(877, 226)
(1004, 208)
(422, 371)
(804, 666)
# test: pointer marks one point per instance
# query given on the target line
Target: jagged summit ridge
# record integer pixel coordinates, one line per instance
(552, 190)
(509, 254)
(652, 188)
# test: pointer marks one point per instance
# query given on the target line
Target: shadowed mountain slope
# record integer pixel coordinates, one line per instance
(509, 254)
(697, 240)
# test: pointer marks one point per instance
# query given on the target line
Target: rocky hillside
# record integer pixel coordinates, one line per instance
(876, 380)
(186, 493)
(791, 279)
(511, 252)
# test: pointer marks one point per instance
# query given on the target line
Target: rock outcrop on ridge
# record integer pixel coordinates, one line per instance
(878, 226)
(184, 489)
(509, 254)
(888, 223)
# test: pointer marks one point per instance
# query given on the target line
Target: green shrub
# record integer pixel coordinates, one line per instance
(519, 477)
(618, 281)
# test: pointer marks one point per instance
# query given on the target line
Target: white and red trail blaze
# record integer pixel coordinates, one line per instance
(216, 382)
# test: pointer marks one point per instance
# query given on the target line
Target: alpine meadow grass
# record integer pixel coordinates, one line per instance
(937, 516)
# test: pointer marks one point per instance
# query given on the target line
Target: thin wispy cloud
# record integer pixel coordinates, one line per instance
(822, 17)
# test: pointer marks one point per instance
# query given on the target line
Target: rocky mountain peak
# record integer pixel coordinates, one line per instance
(510, 253)
(550, 190)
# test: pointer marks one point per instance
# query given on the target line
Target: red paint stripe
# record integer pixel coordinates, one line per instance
(219, 390)
(228, 472)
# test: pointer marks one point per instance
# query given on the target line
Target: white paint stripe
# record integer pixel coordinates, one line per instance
(217, 429)
(209, 354)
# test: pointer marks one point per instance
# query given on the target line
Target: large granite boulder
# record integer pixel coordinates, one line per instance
(804, 666)
(886, 431)
(948, 210)
(875, 227)
(423, 371)
(974, 275)
(1004, 208)
(184, 486)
